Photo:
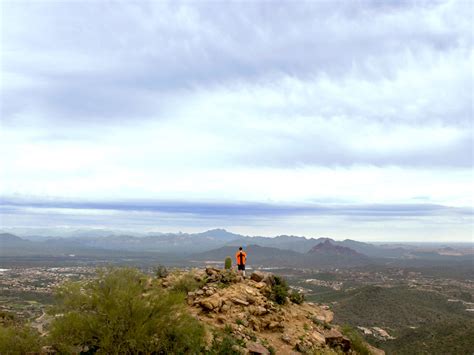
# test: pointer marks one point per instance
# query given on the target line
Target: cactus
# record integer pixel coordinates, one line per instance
(228, 263)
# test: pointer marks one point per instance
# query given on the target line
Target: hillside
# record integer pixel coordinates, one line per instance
(329, 254)
(248, 312)
(420, 321)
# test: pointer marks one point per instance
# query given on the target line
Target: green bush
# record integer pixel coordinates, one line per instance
(186, 283)
(228, 263)
(114, 313)
(224, 344)
(358, 343)
(297, 297)
(17, 339)
(161, 271)
(280, 289)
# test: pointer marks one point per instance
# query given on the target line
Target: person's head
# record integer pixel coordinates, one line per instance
(240, 248)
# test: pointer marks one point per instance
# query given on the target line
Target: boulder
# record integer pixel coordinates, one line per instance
(258, 311)
(318, 337)
(257, 276)
(334, 338)
(211, 303)
(256, 348)
(210, 271)
(239, 301)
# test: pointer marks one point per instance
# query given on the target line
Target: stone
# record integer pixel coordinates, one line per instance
(269, 280)
(286, 338)
(199, 292)
(211, 303)
(210, 271)
(257, 276)
(209, 292)
(259, 311)
(318, 337)
(273, 325)
(335, 338)
(260, 285)
(256, 348)
(251, 299)
(239, 301)
(321, 318)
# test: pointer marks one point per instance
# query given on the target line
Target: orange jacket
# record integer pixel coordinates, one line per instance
(241, 257)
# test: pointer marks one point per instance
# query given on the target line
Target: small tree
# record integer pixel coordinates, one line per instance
(115, 313)
(228, 263)
(280, 289)
(19, 339)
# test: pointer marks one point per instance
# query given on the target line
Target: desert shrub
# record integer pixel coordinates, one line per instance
(358, 343)
(280, 289)
(228, 277)
(297, 297)
(321, 323)
(228, 263)
(161, 271)
(19, 339)
(114, 313)
(225, 343)
(187, 283)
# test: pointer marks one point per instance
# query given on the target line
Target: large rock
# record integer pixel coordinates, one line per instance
(211, 303)
(256, 348)
(318, 337)
(334, 338)
(210, 271)
(257, 276)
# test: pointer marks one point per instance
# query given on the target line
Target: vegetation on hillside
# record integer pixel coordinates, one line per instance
(119, 313)
(422, 322)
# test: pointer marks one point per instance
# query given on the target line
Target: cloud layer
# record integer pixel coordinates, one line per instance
(365, 102)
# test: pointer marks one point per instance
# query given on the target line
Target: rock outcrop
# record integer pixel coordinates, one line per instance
(242, 308)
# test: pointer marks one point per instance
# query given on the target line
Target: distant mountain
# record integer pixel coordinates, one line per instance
(7, 239)
(218, 234)
(327, 247)
(294, 243)
(176, 243)
(324, 255)
(329, 254)
(256, 255)
(374, 250)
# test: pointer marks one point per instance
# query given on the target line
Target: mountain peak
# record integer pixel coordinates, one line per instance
(7, 237)
(327, 247)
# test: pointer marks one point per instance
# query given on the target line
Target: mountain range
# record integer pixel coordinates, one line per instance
(216, 244)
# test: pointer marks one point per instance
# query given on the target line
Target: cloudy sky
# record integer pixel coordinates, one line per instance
(343, 119)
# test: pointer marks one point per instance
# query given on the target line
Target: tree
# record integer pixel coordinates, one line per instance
(118, 313)
(19, 339)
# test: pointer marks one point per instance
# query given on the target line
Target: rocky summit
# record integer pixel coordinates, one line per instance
(245, 309)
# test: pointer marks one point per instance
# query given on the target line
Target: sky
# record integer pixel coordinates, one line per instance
(345, 119)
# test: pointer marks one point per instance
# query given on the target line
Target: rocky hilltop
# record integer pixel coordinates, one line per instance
(259, 313)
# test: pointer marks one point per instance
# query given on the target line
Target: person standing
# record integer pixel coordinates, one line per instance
(241, 257)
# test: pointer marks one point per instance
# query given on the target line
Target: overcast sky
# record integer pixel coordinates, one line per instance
(343, 119)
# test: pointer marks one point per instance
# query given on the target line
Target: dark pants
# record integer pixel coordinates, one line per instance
(241, 267)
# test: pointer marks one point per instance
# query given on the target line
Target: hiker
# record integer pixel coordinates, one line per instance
(241, 257)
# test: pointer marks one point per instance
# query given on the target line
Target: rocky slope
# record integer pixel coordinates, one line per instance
(245, 309)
